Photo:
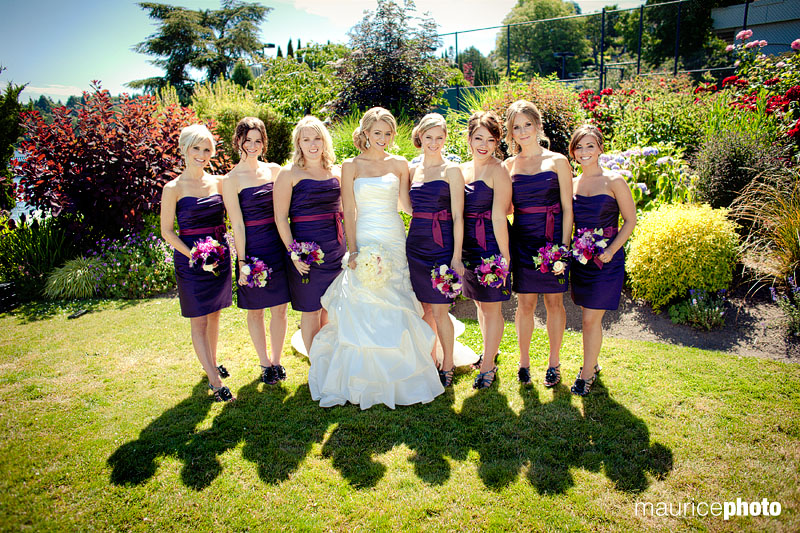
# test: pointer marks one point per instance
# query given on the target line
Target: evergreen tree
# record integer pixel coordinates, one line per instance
(279, 54)
(10, 131)
(289, 49)
(242, 75)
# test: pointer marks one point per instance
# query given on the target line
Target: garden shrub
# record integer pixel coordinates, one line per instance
(676, 248)
(702, 310)
(789, 302)
(656, 175)
(771, 209)
(107, 165)
(32, 249)
(136, 266)
(725, 165)
(226, 103)
(73, 281)
(556, 103)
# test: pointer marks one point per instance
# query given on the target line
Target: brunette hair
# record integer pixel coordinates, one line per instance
(194, 134)
(313, 123)
(244, 126)
(371, 117)
(488, 120)
(580, 133)
(532, 112)
(429, 121)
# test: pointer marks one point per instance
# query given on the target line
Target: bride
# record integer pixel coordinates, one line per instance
(375, 348)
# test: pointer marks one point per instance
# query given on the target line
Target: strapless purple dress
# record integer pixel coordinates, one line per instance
(529, 232)
(429, 199)
(319, 199)
(201, 292)
(262, 241)
(480, 242)
(594, 287)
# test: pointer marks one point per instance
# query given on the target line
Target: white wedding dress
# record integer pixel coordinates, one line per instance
(375, 347)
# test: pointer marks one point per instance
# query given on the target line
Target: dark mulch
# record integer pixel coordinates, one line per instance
(754, 325)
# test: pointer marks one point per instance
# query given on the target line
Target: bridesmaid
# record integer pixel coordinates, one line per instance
(308, 191)
(600, 198)
(436, 233)
(487, 200)
(542, 199)
(194, 197)
(248, 199)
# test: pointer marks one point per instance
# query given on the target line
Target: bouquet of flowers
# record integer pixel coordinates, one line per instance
(307, 252)
(257, 272)
(588, 244)
(372, 267)
(446, 280)
(208, 253)
(552, 258)
(492, 272)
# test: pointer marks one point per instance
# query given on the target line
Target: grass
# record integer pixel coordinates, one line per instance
(106, 424)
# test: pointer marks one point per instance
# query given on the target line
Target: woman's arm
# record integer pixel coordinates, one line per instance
(564, 171)
(230, 195)
(456, 180)
(281, 200)
(500, 206)
(627, 209)
(404, 174)
(349, 210)
(169, 200)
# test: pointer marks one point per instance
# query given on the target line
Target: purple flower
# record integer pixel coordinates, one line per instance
(663, 160)
(774, 294)
(650, 150)
(626, 173)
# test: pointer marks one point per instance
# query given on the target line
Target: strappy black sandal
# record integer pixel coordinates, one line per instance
(280, 373)
(477, 364)
(484, 380)
(582, 387)
(553, 376)
(223, 372)
(524, 375)
(268, 375)
(222, 394)
(446, 377)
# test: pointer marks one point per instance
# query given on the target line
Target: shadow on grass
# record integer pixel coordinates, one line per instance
(41, 310)
(278, 431)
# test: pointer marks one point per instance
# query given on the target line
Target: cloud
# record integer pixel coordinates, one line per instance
(343, 13)
(55, 90)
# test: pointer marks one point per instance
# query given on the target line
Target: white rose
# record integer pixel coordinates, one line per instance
(558, 267)
(209, 268)
(246, 270)
(443, 269)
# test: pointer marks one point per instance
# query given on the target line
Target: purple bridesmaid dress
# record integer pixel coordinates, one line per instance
(201, 292)
(316, 215)
(594, 287)
(479, 242)
(537, 221)
(430, 237)
(262, 241)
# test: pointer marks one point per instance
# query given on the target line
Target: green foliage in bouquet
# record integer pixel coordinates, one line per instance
(676, 248)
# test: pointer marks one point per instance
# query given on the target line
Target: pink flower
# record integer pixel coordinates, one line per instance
(796, 44)
(744, 34)
(781, 64)
(751, 44)
(762, 43)
(729, 48)
(736, 63)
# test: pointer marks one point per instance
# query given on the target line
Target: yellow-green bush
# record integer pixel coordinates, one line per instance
(680, 247)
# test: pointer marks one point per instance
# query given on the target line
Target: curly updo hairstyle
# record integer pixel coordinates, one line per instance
(532, 112)
(367, 121)
(428, 122)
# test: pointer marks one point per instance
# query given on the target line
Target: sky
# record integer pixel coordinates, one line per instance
(57, 47)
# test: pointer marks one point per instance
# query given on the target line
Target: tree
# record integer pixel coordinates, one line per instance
(210, 40)
(483, 73)
(289, 49)
(279, 54)
(393, 62)
(319, 55)
(533, 45)
(10, 131)
(242, 75)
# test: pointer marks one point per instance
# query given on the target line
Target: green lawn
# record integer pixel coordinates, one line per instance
(106, 424)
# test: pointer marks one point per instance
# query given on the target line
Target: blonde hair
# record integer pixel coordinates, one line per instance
(532, 112)
(245, 126)
(583, 131)
(428, 122)
(488, 120)
(371, 117)
(194, 135)
(313, 123)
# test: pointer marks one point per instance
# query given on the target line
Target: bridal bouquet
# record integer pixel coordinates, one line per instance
(257, 272)
(552, 258)
(208, 253)
(492, 272)
(372, 267)
(588, 244)
(446, 280)
(307, 252)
